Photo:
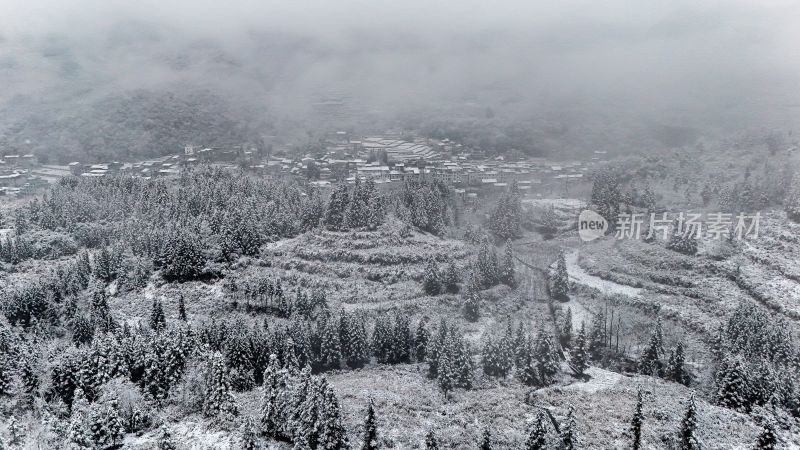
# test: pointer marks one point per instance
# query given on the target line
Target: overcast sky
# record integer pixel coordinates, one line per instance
(707, 56)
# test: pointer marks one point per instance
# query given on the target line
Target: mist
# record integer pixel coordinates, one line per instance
(711, 66)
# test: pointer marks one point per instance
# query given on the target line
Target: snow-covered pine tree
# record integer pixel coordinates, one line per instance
(445, 376)
(331, 351)
(597, 336)
(637, 421)
(157, 319)
(401, 342)
(506, 218)
(332, 434)
(566, 329)
(337, 207)
(650, 361)
(381, 339)
(165, 441)
(218, 400)
(29, 373)
(569, 439)
(580, 352)
(16, 435)
(507, 271)
(105, 423)
(546, 357)
(370, 428)
(792, 201)
(688, 440)
(5, 376)
(768, 439)
(486, 440)
(358, 352)
(537, 438)
(461, 363)
(486, 265)
(421, 338)
(527, 371)
(181, 308)
(471, 305)
(559, 279)
(274, 409)
(676, 367)
(489, 357)
(182, 257)
(682, 240)
(79, 436)
(733, 390)
(431, 279)
(431, 443)
(249, 437)
(451, 279)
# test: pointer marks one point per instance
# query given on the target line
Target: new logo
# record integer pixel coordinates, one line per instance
(591, 225)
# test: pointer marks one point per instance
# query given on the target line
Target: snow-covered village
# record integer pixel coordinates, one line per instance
(377, 225)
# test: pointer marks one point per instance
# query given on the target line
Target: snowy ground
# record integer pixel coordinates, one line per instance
(578, 275)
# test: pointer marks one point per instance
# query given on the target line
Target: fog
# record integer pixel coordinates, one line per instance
(711, 65)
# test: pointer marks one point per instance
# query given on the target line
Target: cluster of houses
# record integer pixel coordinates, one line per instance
(389, 160)
(18, 176)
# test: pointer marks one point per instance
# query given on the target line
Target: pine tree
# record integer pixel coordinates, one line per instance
(688, 441)
(16, 437)
(358, 352)
(546, 359)
(181, 309)
(29, 374)
(218, 399)
(421, 338)
(249, 438)
(301, 443)
(182, 258)
(568, 438)
(337, 208)
(370, 428)
(165, 442)
(157, 319)
(505, 219)
(559, 279)
(733, 390)
(537, 439)
(451, 279)
(430, 441)
(332, 434)
(431, 282)
(445, 374)
(507, 272)
(330, 352)
(5, 376)
(471, 305)
(273, 404)
(486, 265)
(566, 330)
(792, 201)
(527, 367)
(675, 369)
(682, 240)
(637, 421)
(650, 361)
(767, 440)
(580, 355)
(597, 336)
(486, 440)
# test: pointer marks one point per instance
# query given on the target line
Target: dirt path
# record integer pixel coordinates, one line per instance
(600, 380)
